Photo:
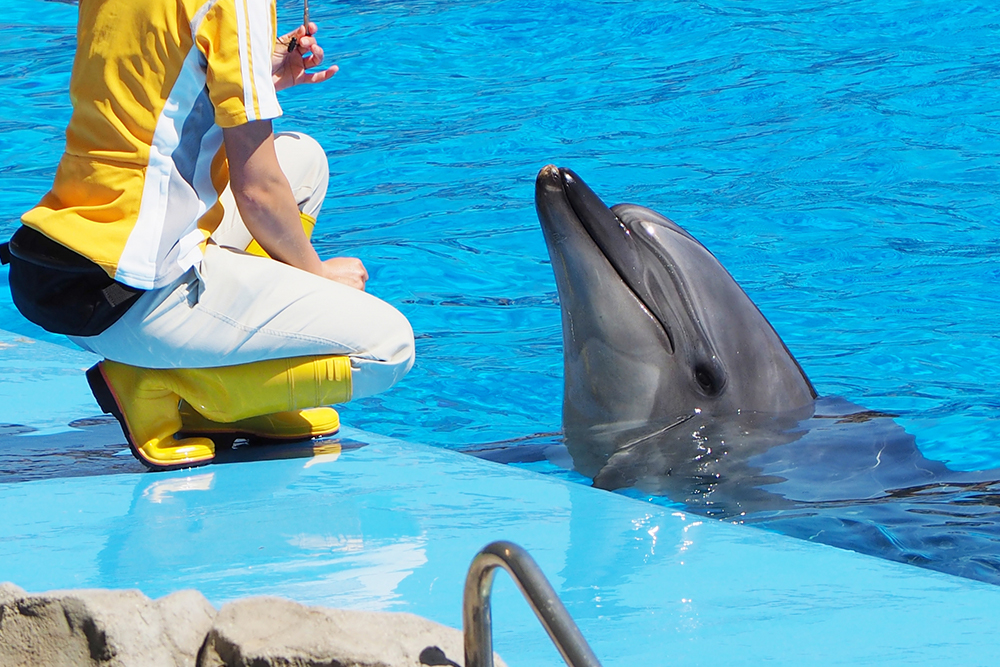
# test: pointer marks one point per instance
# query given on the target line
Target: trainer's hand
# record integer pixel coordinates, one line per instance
(289, 69)
(347, 270)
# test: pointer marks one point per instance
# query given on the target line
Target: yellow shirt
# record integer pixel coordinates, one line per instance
(153, 84)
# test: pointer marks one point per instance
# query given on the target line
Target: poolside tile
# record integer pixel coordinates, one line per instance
(382, 524)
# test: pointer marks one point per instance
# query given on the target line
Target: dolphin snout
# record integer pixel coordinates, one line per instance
(549, 179)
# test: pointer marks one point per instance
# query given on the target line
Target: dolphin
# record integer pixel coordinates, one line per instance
(676, 385)
(655, 331)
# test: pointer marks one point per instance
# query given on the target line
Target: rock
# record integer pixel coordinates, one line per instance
(104, 628)
(101, 628)
(272, 632)
(187, 617)
(10, 592)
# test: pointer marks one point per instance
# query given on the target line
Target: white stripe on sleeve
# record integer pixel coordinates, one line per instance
(262, 41)
(245, 55)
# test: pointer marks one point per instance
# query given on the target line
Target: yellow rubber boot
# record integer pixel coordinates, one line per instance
(146, 408)
(291, 425)
(308, 225)
(146, 401)
(229, 394)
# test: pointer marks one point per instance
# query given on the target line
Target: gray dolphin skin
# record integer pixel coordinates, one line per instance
(677, 386)
(655, 331)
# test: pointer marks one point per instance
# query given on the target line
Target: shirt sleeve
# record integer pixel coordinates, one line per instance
(237, 39)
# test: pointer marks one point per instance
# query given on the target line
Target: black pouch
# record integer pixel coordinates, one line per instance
(61, 291)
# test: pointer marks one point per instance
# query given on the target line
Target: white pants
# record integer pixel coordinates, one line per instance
(237, 308)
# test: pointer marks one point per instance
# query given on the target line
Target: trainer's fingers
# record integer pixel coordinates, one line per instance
(305, 43)
(318, 77)
(298, 33)
(315, 59)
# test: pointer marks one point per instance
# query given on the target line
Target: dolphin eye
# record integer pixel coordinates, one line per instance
(708, 379)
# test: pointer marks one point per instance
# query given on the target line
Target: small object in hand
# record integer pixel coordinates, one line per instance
(292, 43)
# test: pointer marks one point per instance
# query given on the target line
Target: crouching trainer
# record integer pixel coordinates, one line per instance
(175, 240)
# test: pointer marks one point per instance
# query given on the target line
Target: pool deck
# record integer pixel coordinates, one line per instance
(374, 523)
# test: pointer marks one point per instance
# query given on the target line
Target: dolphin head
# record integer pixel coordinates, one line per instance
(655, 330)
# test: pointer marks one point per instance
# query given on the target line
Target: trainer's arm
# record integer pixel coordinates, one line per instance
(268, 208)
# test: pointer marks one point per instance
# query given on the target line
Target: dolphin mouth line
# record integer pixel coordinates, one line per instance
(583, 221)
(667, 299)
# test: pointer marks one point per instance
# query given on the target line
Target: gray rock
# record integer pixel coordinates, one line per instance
(271, 632)
(101, 628)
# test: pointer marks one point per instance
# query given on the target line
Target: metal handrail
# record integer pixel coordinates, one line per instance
(477, 619)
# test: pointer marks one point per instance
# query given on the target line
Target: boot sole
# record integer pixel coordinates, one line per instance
(263, 438)
(108, 403)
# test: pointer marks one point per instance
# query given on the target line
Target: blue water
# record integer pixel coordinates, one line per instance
(840, 158)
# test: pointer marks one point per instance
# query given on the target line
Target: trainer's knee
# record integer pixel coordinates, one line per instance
(398, 347)
(388, 362)
(298, 145)
(304, 164)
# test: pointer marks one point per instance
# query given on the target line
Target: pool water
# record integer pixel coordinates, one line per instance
(840, 159)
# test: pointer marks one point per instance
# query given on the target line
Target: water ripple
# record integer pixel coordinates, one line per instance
(839, 156)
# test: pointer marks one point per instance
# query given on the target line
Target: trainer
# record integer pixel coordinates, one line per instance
(175, 240)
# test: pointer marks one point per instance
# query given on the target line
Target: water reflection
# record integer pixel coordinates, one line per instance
(845, 477)
(252, 529)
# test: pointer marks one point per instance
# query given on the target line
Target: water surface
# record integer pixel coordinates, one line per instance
(839, 157)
